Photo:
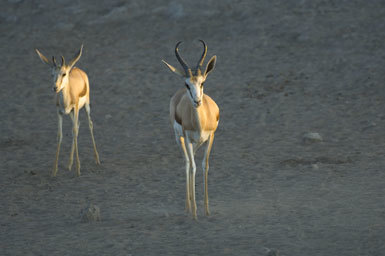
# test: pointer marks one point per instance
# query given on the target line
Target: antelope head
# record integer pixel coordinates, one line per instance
(194, 81)
(60, 73)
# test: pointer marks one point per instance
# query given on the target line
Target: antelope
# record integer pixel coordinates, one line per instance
(71, 86)
(194, 117)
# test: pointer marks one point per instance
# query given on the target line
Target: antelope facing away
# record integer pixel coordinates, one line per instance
(72, 89)
(194, 116)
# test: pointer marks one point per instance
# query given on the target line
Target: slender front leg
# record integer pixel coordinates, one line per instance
(59, 139)
(70, 161)
(190, 152)
(187, 161)
(90, 124)
(205, 167)
(75, 130)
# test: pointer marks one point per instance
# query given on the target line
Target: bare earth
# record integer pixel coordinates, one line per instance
(284, 68)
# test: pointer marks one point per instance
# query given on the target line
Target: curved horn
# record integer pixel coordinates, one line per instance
(76, 57)
(54, 61)
(202, 59)
(187, 70)
(63, 62)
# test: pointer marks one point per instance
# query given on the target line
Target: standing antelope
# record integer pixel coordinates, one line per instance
(73, 84)
(194, 116)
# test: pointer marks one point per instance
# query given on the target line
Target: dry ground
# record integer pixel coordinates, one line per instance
(284, 68)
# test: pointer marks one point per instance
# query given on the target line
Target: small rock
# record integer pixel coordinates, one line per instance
(312, 137)
(91, 214)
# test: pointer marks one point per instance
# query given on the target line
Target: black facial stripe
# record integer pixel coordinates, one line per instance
(188, 88)
(190, 93)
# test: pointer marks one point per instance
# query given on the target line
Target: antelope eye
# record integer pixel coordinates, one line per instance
(64, 75)
(202, 84)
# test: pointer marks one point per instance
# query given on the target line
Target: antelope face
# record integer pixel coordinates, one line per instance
(194, 86)
(60, 74)
(194, 82)
(60, 78)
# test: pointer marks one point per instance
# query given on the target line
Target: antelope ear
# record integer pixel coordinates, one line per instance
(76, 58)
(43, 58)
(211, 65)
(175, 70)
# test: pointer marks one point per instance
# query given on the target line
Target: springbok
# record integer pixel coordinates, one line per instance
(73, 84)
(194, 116)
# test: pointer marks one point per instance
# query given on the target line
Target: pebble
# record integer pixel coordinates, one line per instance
(91, 213)
(312, 137)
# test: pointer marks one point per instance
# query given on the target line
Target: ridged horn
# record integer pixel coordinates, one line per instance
(202, 59)
(54, 61)
(187, 70)
(63, 62)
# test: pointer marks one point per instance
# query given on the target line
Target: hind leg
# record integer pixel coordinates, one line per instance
(91, 126)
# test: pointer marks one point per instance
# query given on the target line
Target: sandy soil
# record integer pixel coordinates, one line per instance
(284, 68)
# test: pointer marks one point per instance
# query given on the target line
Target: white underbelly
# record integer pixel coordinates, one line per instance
(198, 137)
(82, 101)
(193, 136)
